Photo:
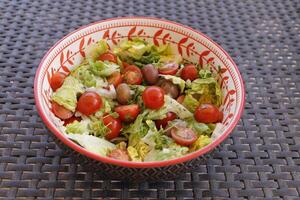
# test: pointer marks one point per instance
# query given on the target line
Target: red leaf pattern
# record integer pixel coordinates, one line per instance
(181, 42)
(68, 58)
(165, 38)
(113, 38)
(188, 48)
(203, 54)
(106, 34)
(81, 47)
(227, 118)
(140, 32)
(210, 60)
(157, 34)
(131, 32)
(61, 58)
(231, 92)
(89, 41)
(223, 80)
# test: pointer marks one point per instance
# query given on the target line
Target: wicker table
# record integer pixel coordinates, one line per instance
(261, 158)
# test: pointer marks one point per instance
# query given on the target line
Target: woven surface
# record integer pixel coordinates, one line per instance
(259, 161)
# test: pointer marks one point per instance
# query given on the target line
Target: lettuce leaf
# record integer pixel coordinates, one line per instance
(166, 153)
(201, 142)
(97, 128)
(93, 144)
(190, 103)
(199, 128)
(83, 74)
(175, 80)
(77, 127)
(66, 95)
(103, 69)
(95, 50)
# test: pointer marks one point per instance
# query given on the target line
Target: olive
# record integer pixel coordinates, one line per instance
(123, 93)
(150, 74)
(169, 88)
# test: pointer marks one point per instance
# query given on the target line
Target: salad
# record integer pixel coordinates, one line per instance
(137, 102)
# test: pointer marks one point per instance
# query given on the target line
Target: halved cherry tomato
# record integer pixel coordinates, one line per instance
(114, 125)
(57, 80)
(60, 111)
(115, 79)
(208, 113)
(169, 69)
(164, 122)
(153, 97)
(71, 120)
(89, 103)
(180, 99)
(183, 136)
(109, 57)
(189, 72)
(119, 154)
(132, 75)
(128, 113)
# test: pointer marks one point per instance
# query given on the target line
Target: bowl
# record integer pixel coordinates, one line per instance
(193, 45)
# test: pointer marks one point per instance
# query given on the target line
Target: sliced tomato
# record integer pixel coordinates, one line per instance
(57, 80)
(183, 136)
(60, 111)
(114, 125)
(164, 122)
(153, 97)
(189, 72)
(169, 69)
(119, 154)
(115, 79)
(71, 120)
(208, 113)
(133, 75)
(180, 99)
(108, 57)
(89, 103)
(128, 113)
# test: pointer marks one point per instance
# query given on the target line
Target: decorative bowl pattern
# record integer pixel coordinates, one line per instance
(191, 44)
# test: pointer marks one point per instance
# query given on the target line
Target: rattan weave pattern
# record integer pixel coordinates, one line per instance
(259, 161)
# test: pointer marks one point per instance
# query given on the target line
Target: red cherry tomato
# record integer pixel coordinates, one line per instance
(153, 97)
(71, 120)
(128, 113)
(208, 113)
(60, 111)
(164, 122)
(89, 103)
(189, 72)
(108, 57)
(114, 125)
(57, 80)
(132, 75)
(169, 69)
(125, 65)
(180, 99)
(115, 79)
(183, 136)
(119, 154)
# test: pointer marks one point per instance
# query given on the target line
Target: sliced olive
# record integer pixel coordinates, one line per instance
(150, 74)
(123, 93)
(170, 88)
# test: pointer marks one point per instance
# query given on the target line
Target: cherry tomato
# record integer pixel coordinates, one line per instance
(114, 125)
(128, 113)
(109, 57)
(71, 120)
(189, 72)
(169, 69)
(164, 122)
(153, 97)
(119, 154)
(89, 103)
(60, 111)
(183, 136)
(115, 79)
(132, 75)
(125, 65)
(208, 113)
(180, 99)
(57, 80)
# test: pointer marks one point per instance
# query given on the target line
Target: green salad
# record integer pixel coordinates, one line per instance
(137, 102)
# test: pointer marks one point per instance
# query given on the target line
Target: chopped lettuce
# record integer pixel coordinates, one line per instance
(83, 74)
(166, 153)
(66, 95)
(199, 128)
(97, 128)
(190, 103)
(201, 142)
(175, 80)
(103, 69)
(133, 154)
(93, 144)
(95, 50)
(207, 90)
(136, 91)
(77, 127)
(205, 73)
(106, 108)
(138, 152)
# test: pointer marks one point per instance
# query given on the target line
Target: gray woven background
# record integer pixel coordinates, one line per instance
(261, 158)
